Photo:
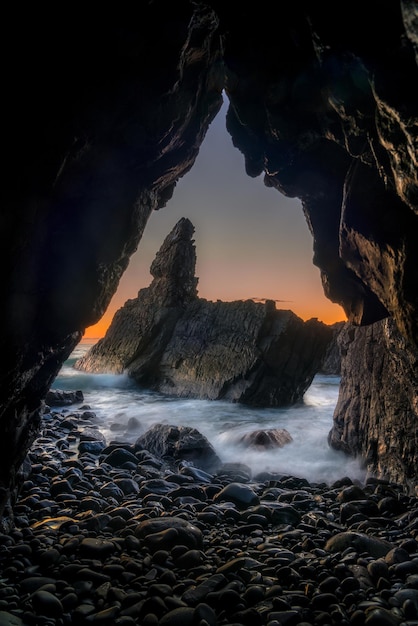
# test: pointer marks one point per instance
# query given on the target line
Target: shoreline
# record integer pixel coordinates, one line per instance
(106, 535)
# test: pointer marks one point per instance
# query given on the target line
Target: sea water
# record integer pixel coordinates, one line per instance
(124, 411)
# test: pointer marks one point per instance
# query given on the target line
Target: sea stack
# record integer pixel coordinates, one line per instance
(168, 339)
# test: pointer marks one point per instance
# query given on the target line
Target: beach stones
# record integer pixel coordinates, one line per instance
(124, 537)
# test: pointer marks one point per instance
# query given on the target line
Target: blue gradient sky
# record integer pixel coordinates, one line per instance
(251, 241)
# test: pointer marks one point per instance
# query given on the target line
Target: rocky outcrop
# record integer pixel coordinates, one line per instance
(376, 416)
(171, 340)
(323, 101)
(140, 331)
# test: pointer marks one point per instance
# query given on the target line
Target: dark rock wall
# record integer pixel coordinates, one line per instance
(102, 113)
(324, 102)
(376, 417)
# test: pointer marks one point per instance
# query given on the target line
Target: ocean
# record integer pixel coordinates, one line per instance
(124, 411)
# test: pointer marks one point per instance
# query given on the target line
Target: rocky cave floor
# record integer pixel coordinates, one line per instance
(104, 535)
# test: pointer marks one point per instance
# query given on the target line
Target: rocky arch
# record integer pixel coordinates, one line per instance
(103, 113)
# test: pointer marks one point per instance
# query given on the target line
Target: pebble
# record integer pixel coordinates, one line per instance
(110, 534)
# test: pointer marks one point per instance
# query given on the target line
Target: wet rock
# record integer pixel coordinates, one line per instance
(59, 397)
(266, 439)
(7, 619)
(96, 548)
(241, 495)
(187, 533)
(359, 542)
(45, 603)
(179, 443)
(119, 456)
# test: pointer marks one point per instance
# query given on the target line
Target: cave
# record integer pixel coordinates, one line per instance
(103, 114)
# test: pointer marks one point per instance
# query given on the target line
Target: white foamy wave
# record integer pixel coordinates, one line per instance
(124, 411)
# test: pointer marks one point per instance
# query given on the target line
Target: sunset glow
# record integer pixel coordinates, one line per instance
(251, 242)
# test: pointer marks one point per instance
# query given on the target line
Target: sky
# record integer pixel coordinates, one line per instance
(251, 241)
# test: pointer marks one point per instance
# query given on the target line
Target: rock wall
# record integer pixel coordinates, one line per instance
(376, 416)
(172, 341)
(104, 114)
(323, 101)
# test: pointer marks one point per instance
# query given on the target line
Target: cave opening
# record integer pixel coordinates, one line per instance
(252, 242)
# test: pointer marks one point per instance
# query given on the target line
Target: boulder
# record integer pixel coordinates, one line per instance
(266, 439)
(171, 340)
(58, 397)
(179, 443)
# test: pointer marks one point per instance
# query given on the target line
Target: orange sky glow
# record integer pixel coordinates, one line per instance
(251, 242)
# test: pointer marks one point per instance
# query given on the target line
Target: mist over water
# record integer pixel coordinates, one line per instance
(124, 411)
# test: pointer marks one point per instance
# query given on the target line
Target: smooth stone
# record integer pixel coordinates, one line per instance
(350, 493)
(119, 456)
(181, 616)
(46, 603)
(197, 474)
(32, 584)
(284, 514)
(111, 490)
(240, 494)
(397, 555)
(156, 486)
(235, 565)
(97, 548)
(188, 534)
(92, 434)
(104, 616)
(59, 487)
(204, 613)
(407, 594)
(360, 542)
(197, 594)
(7, 619)
(377, 569)
(93, 447)
(127, 485)
(366, 508)
(190, 559)
(381, 617)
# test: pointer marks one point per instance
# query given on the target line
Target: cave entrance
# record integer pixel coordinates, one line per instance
(251, 241)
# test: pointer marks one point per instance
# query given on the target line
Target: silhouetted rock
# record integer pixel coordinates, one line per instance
(171, 340)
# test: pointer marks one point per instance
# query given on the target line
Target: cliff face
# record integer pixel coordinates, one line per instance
(323, 101)
(376, 416)
(171, 340)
